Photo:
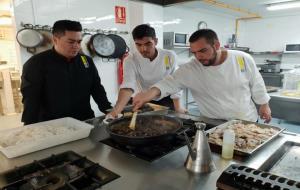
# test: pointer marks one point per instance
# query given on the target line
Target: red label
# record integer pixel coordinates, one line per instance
(120, 14)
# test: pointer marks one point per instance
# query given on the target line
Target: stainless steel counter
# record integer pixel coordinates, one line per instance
(284, 107)
(166, 173)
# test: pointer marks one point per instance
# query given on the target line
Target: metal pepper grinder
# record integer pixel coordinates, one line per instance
(199, 159)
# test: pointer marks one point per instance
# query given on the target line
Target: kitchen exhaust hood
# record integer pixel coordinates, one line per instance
(165, 2)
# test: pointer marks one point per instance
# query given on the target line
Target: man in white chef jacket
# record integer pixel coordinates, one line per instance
(145, 67)
(226, 84)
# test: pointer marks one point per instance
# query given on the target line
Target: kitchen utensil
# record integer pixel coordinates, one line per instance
(108, 46)
(237, 177)
(199, 159)
(102, 45)
(29, 38)
(133, 121)
(120, 46)
(86, 37)
(159, 129)
(78, 130)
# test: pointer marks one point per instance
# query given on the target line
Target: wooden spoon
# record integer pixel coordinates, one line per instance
(133, 120)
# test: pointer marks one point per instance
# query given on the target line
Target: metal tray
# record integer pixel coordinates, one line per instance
(285, 161)
(218, 148)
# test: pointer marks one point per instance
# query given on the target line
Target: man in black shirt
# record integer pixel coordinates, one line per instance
(59, 82)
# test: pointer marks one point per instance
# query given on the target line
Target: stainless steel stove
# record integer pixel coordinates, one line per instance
(157, 151)
(65, 171)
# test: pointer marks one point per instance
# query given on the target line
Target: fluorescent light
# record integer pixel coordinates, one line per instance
(285, 5)
(108, 17)
(88, 18)
(162, 23)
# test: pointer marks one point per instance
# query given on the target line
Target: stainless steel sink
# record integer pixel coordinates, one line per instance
(285, 161)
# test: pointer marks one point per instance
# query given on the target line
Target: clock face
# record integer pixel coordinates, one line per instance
(202, 25)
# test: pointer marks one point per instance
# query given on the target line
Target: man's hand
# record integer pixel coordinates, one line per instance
(181, 110)
(143, 97)
(265, 112)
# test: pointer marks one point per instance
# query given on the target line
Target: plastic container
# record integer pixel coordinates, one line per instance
(228, 144)
(292, 80)
(81, 130)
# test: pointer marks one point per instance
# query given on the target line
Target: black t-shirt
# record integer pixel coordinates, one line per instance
(53, 87)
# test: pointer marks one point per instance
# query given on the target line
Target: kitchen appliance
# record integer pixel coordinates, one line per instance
(237, 177)
(152, 152)
(271, 66)
(67, 170)
(199, 159)
(285, 161)
(174, 39)
(292, 48)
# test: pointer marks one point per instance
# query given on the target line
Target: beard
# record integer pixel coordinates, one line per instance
(209, 62)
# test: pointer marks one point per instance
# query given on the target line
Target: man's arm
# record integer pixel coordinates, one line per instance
(143, 97)
(265, 112)
(31, 89)
(177, 106)
(123, 99)
(258, 91)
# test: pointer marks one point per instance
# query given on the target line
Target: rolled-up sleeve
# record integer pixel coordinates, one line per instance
(129, 76)
(257, 86)
(171, 84)
(174, 59)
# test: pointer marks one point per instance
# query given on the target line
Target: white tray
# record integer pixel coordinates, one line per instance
(82, 131)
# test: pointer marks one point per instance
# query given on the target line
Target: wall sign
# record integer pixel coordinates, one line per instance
(120, 14)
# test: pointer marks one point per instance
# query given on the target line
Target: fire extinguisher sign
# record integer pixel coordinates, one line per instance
(120, 14)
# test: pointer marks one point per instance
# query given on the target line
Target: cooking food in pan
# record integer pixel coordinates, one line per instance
(145, 128)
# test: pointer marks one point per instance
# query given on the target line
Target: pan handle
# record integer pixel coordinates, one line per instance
(109, 118)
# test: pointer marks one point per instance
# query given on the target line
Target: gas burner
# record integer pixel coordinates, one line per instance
(63, 171)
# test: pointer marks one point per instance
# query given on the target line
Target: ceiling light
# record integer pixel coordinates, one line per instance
(108, 17)
(283, 5)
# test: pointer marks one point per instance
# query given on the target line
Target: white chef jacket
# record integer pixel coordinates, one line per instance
(225, 91)
(140, 73)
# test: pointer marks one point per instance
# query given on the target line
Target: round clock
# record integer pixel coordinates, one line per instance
(202, 25)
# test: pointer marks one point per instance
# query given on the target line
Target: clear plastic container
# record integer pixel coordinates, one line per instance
(291, 81)
(228, 144)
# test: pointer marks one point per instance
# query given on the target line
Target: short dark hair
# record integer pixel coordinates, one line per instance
(208, 34)
(61, 26)
(143, 30)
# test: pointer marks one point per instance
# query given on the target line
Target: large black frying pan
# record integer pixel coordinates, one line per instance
(150, 129)
(29, 38)
(108, 46)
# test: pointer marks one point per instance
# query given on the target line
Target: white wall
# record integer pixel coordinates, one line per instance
(223, 25)
(269, 34)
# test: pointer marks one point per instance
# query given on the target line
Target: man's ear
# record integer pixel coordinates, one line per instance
(55, 39)
(156, 41)
(217, 44)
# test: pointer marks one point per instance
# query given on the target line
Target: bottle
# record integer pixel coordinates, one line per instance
(228, 144)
